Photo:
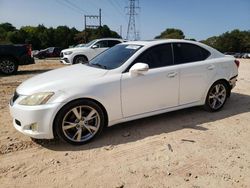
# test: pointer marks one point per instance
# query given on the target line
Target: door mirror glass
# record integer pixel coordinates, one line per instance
(139, 68)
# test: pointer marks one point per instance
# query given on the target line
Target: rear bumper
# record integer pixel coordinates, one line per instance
(233, 81)
(26, 60)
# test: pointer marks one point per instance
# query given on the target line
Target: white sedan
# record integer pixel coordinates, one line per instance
(129, 81)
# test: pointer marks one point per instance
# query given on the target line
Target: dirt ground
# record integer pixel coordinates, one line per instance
(187, 148)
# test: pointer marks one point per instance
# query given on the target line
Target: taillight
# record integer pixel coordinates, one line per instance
(237, 62)
(29, 49)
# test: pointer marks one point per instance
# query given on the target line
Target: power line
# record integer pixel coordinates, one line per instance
(68, 6)
(94, 4)
(75, 6)
(117, 4)
(118, 10)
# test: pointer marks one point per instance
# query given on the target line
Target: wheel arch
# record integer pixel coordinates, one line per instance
(79, 55)
(227, 84)
(78, 99)
(218, 80)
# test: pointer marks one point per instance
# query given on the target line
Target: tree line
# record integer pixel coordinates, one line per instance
(42, 37)
(234, 41)
(62, 36)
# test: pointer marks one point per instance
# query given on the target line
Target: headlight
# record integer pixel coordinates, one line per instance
(68, 53)
(37, 99)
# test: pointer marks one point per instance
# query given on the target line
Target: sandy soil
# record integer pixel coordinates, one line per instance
(187, 148)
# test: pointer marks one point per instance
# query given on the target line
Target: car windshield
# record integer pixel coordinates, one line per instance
(114, 57)
(90, 43)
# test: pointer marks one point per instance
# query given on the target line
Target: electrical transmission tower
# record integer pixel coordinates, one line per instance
(132, 34)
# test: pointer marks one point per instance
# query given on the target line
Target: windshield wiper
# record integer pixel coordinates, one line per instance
(100, 65)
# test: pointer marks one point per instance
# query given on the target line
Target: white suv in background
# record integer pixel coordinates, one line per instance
(87, 52)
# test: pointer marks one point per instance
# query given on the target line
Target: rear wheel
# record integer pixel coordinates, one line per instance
(8, 66)
(80, 59)
(217, 96)
(79, 122)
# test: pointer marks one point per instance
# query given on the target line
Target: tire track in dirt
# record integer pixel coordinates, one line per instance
(16, 146)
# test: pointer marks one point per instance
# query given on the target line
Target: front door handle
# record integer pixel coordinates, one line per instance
(172, 74)
(211, 67)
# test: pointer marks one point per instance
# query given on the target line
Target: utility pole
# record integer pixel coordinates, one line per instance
(121, 31)
(100, 17)
(92, 26)
(131, 32)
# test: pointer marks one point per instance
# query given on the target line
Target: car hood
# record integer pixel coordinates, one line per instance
(75, 49)
(60, 79)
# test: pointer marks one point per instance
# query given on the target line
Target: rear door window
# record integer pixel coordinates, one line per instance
(188, 53)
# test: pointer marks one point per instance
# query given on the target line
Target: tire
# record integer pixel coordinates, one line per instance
(217, 96)
(79, 122)
(80, 59)
(8, 66)
(41, 57)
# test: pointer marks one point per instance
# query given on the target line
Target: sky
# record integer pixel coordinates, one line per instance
(198, 19)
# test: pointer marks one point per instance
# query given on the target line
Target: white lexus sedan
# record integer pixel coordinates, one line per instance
(129, 81)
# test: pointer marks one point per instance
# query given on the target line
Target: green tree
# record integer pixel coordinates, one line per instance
(234, 41)
(171, 33)
(42, 37)
(4, 29)
(7, 27)
(91, 34)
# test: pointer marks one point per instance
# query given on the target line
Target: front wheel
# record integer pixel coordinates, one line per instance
(80, 59)
(79, 122)
(8, 66)
(217, 96)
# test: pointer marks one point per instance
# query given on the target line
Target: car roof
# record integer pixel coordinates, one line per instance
(150, 43)
(118, 39)
(160, 41)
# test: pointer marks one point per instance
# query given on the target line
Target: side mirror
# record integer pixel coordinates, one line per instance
(139, 68)
(94, 47)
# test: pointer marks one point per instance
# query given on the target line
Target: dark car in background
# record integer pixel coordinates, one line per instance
(12, 56)
(48, 52)
(246, 55)
(239, 55)
(232, 54)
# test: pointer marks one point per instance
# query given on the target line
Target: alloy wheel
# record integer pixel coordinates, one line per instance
(217, 96)
(81, 123)
(80, 60)
(7, 66)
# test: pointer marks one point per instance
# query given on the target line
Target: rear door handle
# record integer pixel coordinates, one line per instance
(211, 67)
(172, 74)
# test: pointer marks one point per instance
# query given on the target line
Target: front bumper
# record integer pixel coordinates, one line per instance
(65, 61)
(34, 121)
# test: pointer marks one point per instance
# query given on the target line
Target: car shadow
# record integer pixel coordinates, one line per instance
(191, 118)
(26, 72)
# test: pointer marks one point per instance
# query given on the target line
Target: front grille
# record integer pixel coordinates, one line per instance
(14, 98)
